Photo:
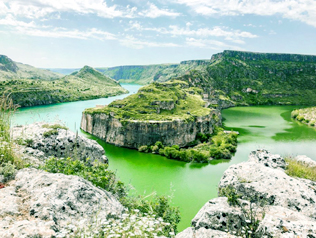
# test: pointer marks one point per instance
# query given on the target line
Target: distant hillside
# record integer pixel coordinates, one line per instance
(13, 70)
(144, 74)
(63, 71)
(38, 87)
(247, 78)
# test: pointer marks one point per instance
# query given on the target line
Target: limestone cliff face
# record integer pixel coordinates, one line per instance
(133, 134)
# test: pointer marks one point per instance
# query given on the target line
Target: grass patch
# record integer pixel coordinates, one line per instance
(300, 170)
(55, 126)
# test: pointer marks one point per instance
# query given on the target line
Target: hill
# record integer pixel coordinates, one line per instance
(235, 78)
(144, 74)
(29, 86)
(13, 70)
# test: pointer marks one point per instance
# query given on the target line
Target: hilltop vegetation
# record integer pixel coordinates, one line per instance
(145, 74)
(29, 86)
(158, 101)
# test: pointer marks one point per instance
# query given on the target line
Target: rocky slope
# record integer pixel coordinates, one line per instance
(261, 201)
(39, 141)
(171, 112)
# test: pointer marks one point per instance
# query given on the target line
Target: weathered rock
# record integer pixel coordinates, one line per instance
(267, 159)
(65, 144)
(306, 160)
(283, 206)
(42, 204)
(253, 181)
(133, 134)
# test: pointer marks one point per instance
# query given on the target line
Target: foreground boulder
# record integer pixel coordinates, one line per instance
(259, 200)
(41, 204)
(39, 141)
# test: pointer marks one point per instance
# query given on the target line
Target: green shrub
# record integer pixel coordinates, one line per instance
(50, 133)
(8, 170)
(231, 194)
(159, 144)
(98, 173)
(55, 126)
(144, 148)
(300, 118)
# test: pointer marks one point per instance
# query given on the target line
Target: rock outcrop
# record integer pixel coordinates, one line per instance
(259, 194)
(133, 133)
(41, 204)
(37, 144)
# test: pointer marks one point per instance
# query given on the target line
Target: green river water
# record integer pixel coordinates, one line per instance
(192, 185)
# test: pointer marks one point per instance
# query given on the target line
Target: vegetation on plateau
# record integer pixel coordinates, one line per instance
(159, 102)
(206, 147)
(306, 115)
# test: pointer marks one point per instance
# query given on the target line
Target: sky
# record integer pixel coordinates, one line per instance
(106, 33)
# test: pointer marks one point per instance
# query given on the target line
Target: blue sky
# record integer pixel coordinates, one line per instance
(104, 33)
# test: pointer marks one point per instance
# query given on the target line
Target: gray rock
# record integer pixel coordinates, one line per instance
(305, 160)
(267, 159)
(133, 133)
(255, 181)
(284, 206)
(41, 203)
(65, 144)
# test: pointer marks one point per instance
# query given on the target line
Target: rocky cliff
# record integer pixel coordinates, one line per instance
(259, 199)
(133, 133)
(170, 112)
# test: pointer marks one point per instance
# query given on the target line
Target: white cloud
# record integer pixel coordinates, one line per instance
(301, 10)
(154, 12)
(132, 42)
(9, 20)
(41, 8)
(210, 44)
(62, 33)
(231, 35)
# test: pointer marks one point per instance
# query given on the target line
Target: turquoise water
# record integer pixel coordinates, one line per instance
(191, 185)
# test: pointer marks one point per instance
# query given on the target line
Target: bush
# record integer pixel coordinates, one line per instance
(8, 170)
(159, 144)
(98, 173)
(155, 149)
(50, 133)
(200, 156)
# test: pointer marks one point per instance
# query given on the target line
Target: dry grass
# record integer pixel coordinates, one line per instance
(300, 170)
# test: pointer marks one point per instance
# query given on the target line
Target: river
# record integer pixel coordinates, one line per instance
(190, 185)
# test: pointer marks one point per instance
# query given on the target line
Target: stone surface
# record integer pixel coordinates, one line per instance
(306, 160)
(283, 205)
(43, 204)
(65, 144)
(134, 134)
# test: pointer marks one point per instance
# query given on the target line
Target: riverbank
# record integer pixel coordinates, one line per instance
(306, 116)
